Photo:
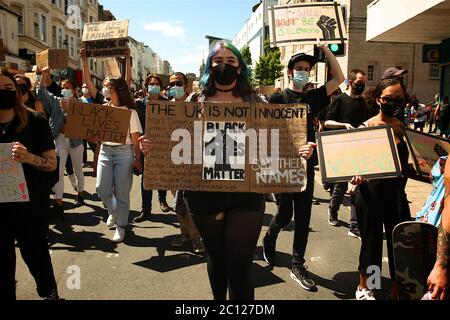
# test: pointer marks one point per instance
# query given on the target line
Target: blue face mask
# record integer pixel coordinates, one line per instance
(301, 78)
(154, 90)
(176, 92)
(67, 93)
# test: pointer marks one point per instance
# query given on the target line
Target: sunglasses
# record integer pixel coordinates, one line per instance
(176, 83)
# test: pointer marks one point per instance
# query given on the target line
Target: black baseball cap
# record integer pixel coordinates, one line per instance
(393, 72)
(301, 57)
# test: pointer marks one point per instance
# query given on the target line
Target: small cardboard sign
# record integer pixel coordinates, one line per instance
(426, 150)
(344, 154)
(13, 186)
(306, 24)
(53, 59)
(96, 122)
(225, 147)
(106, 39)
(112, 68)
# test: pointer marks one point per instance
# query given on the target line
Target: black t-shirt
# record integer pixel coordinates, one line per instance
(37, 138)
(346, 109)
(316, 100)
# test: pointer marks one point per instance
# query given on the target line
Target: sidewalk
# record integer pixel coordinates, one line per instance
(417, 192)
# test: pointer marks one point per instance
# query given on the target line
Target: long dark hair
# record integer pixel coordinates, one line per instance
(123, 92)
(20, 109)
(31, 96)
(243, 87)
(386, 83)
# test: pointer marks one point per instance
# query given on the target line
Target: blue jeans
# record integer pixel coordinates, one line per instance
(115, 179)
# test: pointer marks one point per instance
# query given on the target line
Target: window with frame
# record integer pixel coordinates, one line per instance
(54, 37)
(371, 73)
(72, 46)
(60, 38)
(434, 71)
(40, 27)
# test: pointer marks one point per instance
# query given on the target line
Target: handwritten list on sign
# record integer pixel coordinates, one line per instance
(13, 186)
(222, 147)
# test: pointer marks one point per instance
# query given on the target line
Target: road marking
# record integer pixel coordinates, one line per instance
(112, 255)
(385, 259)
(315, 259)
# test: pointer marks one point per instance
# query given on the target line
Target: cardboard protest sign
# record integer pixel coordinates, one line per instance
(225, 147)
(426, 150)
(2, 51)
(106, 39)
(13, 186)
(368, 152)
(96, 122)
(306, 23)
(53, 59)
(112, 68)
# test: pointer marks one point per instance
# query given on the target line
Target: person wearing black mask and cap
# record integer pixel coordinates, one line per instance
(347, 111)
(396, 73)
(299, 69)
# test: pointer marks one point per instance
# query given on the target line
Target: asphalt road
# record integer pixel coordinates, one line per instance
(145, 267)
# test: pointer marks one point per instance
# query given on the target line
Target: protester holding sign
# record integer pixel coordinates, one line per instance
(153, 84)
(26, 222)
(299, 69)
(228, 223)
(56, 108)
(117, 161)
(28, 97)
(178, 90)
(380, 201)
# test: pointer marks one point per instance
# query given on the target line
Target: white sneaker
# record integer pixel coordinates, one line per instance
(119, 235)
(364, 294)
(111, 222)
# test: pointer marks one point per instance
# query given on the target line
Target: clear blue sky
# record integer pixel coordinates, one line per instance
(176, 29)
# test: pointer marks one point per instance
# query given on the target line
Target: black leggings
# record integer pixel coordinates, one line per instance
(28, 226)
(230, 244)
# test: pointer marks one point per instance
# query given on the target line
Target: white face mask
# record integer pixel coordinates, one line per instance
(85, 91)
(106, 92)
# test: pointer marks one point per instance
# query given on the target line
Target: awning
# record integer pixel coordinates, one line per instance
(408, 21)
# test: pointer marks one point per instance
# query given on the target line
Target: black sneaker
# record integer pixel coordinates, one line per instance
(354, 232)
(300, 275)
(79, 202)
(56, 212)
(165, 207)
(332, 218)
(269, 251)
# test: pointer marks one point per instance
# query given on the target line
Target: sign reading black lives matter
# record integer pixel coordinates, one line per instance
(225, 147)
(96, 122)
(306, 23)
(106, 39)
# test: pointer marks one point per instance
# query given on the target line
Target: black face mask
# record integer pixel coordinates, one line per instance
(225, 74)
(393, 108)
(7, 99)
(23, 88)
(358, 88)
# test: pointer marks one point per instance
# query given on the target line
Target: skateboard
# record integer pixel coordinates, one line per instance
(414, 246)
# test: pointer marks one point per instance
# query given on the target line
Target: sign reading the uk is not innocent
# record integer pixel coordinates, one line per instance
(106, 39)
(225, 147)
